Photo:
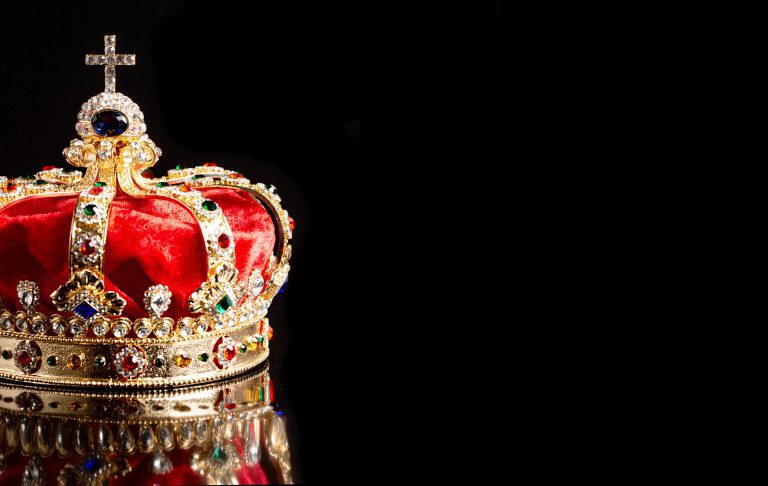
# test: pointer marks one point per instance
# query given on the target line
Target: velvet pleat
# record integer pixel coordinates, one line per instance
(152, 240)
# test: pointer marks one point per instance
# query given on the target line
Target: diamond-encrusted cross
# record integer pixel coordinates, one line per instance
(109, 60)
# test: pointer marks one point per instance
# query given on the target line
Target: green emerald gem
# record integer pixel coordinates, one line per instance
(40, 182)
(51, 361)
(100, 361)
(89, 210)
(180, 167)
(224, 304)
(203, 357)
(99, 184)
(243, 348)
(159, 362)
(198, 176)
(261, 394)
(210, 205)
(261, 339)
(219, 455)
(162, 184)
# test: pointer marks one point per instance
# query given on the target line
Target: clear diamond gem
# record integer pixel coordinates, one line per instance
(163, 330)
(22, 324)
(105, 150)
(160, 464)
(6, 323)
(159, 303)
(100, 329)
(157, 299)
(201, 327)
(142, 330)
(165, 436)
(146, 438)
(39, 326)
(185, 331)
(33, 475)
(256, 283)
(77, 329)
(125, 441)
(58, 327)
(27, 298)
(120, 330)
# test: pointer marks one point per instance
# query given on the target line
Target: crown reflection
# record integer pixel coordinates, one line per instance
(227, 433)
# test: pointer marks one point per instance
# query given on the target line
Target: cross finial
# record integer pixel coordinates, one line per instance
(109, 60)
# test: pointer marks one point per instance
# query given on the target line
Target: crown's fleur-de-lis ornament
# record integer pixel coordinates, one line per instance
(202, 248)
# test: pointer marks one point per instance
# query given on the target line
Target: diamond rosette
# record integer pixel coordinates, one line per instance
(84, 295)
(130, 362)
(225, 352)
(157, 299)
(28, 356)
(29, 294)
(88, 248)
(219, 294)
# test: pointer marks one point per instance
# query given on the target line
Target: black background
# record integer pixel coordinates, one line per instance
(350, 109)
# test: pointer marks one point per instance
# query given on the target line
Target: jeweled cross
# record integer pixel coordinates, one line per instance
(109, 60)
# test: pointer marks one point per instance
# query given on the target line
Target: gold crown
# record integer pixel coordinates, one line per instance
(95, 333)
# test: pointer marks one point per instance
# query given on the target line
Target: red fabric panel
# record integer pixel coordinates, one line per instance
(34, 245)
(151, 240)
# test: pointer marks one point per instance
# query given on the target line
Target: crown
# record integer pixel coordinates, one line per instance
(113, 277)
(205, 434)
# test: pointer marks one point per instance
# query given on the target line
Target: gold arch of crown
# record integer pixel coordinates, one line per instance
(226, 302)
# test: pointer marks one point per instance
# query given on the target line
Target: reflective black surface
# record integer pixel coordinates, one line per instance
(228, 432)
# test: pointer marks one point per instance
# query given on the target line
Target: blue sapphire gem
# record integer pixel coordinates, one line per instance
(91, 465)
(282, 289)
(85, 310)
(109, 123)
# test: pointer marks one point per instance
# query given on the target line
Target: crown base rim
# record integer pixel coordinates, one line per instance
(151, 364)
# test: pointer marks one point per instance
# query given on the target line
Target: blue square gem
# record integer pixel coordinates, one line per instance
(85, 310)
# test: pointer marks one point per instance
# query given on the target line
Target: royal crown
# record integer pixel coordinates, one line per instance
(114, 277)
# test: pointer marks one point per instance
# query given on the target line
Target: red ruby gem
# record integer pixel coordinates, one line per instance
(86, 249)
(209, 164)
(185, 188)
(129, 362)
(229, 353)
(147, 174)
(230, 406)
(95, 190)
(224, 241)
(49, 167)
(291, 223)
(235, 175)
(23, 358)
